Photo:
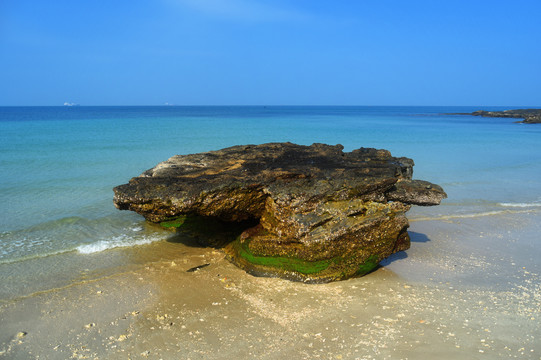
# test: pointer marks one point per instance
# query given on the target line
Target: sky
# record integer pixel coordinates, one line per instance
(262, 52)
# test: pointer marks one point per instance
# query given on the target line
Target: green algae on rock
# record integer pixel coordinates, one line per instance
(308, 213)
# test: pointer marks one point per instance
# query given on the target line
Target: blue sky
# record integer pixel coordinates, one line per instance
(254, 52)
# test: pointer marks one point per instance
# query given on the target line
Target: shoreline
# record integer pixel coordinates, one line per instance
(455, 293)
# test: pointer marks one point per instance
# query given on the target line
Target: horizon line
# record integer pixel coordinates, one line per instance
(262, 105)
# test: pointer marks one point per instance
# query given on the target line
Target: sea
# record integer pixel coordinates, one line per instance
(60, 164)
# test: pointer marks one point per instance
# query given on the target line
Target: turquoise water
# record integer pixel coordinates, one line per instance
(59, 164)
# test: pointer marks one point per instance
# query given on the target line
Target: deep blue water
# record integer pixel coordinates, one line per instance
(59, 164)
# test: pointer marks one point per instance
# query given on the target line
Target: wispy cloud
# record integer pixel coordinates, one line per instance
(243, 10)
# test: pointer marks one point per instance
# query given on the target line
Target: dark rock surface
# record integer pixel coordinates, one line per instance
(530, 116)
(310, 213)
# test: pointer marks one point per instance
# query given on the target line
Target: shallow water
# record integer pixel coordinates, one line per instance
(467, 289)
(60, 164)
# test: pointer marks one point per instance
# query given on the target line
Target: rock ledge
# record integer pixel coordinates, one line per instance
(309, 213)
(529, 116)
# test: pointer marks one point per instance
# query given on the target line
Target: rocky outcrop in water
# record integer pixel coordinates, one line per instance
(530, 116)
(309, 213)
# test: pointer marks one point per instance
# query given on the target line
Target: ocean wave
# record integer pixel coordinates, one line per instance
(11, 260)
(521, 205)
(116, 242)
(74, 233)
(472, 215)
(85, 249)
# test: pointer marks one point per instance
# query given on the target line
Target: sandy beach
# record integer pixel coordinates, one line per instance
(307, 139)
(467, 288)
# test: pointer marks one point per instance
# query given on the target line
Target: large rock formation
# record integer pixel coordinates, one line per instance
(310, 213)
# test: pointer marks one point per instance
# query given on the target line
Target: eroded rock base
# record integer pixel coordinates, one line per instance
(354, 244)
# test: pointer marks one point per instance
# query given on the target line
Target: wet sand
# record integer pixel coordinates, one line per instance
(467, 289)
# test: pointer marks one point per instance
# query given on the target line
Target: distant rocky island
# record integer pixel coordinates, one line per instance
(307, 213)
(529, 116)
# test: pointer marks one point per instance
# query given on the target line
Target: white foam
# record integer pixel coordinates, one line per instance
(521, 205)
(12, 260)
(115, 242)
(472, 215)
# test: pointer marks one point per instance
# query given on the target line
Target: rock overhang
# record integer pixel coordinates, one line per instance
(313, 204)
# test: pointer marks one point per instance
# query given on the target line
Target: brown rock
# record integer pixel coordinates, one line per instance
(310, 213)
